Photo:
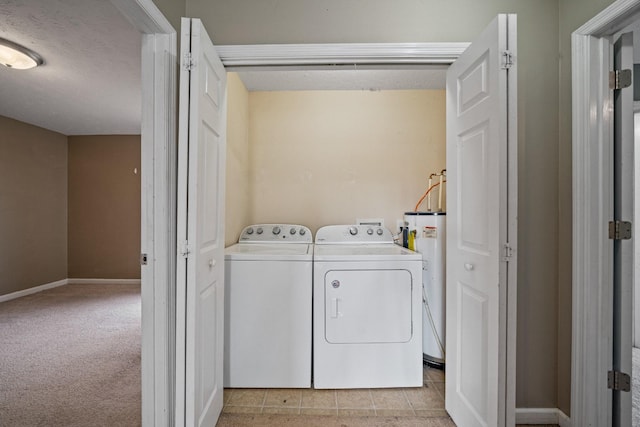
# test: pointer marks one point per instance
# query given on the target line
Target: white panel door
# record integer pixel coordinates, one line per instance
(201, 172)
(481, 144)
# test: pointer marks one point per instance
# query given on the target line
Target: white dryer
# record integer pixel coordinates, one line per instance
(268, 297)
(367, 310)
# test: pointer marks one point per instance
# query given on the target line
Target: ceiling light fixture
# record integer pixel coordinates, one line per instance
(13, 55)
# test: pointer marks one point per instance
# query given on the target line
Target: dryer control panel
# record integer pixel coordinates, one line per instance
(353, 234)
(273, 233)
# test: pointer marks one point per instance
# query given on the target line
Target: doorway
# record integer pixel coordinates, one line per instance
(45, 168)
(507, 390)
(327, 154)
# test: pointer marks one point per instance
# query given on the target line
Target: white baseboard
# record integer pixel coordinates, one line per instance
(35, 289)
(563, 420)
(76, 281)
(542, 416)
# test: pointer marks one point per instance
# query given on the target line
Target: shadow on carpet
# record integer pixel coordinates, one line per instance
(71, 357)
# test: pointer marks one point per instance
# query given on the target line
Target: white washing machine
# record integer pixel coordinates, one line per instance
(268, 302)
(367, 310)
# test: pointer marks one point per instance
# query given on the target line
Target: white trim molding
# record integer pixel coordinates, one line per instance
(63, 282)
(542, 416)
(592, 317)
(564, 420)
(387, 54)
(80, 281)
(592, 269)
(35, 289)
(158, 146)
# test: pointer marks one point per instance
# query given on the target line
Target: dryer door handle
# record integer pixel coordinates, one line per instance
(334, 308)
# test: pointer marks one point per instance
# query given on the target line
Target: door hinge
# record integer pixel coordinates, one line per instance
(619, 381)
(619, 230)
(184, 250)
(187, 62)
(508, 252)
(143, 259)
(620, 79)
(507, 60)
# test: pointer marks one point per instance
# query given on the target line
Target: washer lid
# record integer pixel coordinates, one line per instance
(369, 252)
(269, 252)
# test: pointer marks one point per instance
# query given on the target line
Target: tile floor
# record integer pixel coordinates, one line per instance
(427, 401)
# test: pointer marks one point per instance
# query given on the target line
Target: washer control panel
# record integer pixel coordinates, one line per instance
(353, 234)
(287, 233)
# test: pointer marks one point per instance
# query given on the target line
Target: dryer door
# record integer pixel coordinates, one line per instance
(368, 306)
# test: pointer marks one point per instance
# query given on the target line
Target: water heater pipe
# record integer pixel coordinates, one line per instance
(428, 191)
(426, 194)
(443, 173)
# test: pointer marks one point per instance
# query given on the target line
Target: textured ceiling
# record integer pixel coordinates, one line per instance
(90, 82)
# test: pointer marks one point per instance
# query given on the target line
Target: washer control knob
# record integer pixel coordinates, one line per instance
(292, 231)
(259, 230)
(276, 230)
(379, 231)
(370, 231)
(249, 230)
(303, 231)
(353, 230)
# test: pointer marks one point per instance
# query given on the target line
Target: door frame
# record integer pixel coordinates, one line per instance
(158, 189)
(592, 269)
(381, 55)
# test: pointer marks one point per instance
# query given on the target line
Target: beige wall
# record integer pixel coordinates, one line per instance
(237, 176)
(329, 157)
(104, 207)
(33, 206)
(339, 21)
(173, 10)
(309, 21)
(573, 13)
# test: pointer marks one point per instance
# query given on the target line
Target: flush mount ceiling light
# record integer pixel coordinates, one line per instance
(13, 55)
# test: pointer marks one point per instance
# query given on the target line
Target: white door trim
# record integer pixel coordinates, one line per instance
(592, 209)
(383, 54)
(158, 177)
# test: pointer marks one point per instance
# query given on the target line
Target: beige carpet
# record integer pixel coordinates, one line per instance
(70, 356)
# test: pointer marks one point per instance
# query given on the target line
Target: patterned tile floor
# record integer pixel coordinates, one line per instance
(427, 401)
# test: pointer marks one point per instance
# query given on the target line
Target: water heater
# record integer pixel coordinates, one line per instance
(428, 235)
